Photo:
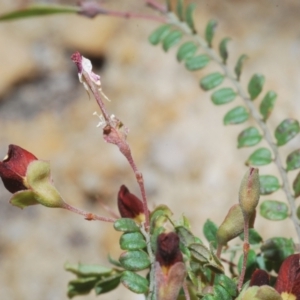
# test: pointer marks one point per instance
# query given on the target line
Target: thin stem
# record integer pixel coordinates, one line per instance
(88, 216)
(254, 112)
(152, 263)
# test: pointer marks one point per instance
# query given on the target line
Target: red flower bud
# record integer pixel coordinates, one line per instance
(259, 278)
(168, 252)
(13, 168)
(129, 205)
(288, 280)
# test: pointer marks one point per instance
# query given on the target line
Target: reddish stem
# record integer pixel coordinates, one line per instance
(156, 5)
(88, 216)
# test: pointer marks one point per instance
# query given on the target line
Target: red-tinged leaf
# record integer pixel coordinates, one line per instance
(296, 185)
(293, 160)
(286, 131)
(288, 280)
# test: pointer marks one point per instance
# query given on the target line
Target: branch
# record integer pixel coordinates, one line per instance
(256, 116)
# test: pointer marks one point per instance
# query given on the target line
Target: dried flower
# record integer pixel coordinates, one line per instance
(13, 168)
(84, 65)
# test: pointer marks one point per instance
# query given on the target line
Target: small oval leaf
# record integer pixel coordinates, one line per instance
(132, 241)
(126, 225)
(171, 39)
(293, 160)
(197, 62)
(260, 157)
(267, 104)
(239, 65)
(223, 96)
(210, 232)
(134, 282)
(189, 16)
(254, 237)
(223, 49)
(255, 85)
(296, 185)
(159, 34)
(211, 81)
(135, 260)
(286, 130)
(268, 184)
(236, 115)
(210, 31)
(249, 137)
(186, 50)
(274, 210)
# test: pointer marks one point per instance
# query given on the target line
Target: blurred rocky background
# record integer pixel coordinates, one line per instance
(189, 159)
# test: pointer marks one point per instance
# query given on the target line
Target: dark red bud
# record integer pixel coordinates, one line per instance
(288, 280)
(13, 168)
(129, 205)
(168, 252)
(259, 278)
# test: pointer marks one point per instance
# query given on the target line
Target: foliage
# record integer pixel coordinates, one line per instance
(175, 262)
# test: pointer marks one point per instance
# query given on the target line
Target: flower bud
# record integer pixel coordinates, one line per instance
(130, 206)
(170, 270)
(233, 225)
(13, 168)
(288, 280)
(259, 278)
(249, 191)
(168, 252)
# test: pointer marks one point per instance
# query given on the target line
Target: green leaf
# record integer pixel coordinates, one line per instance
(221, 293)
(223, 49)
(211, 81)
(210, 31)
(114, 261)
(260, 157)
(200, 252)
(159, 34)
(132, 241)
(286, 130)
(298, 212)
(223, 96)
(23, 199)
(135, 282)
(236, 115)
(135, 260)
(249, 137)
(107, 284)
(197, 62)
(255, 85)
(254, 237)
(268, 184)
(274, 210)
(293, 160)
(276, 250)
(86, 270)
(239, 65)
(186, 50)
(267, 104)
(227, 283)
(296, 185)
(126, 225)
(189, 19)
(159, 216)
(37, 10)
(185, 235)
(210, 232)
(180, 10)
(171, 39)
(250, 266)
(81, 286)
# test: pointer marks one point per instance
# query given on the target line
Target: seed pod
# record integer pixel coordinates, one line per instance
(249, 191)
